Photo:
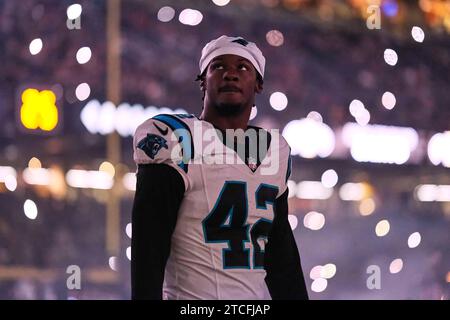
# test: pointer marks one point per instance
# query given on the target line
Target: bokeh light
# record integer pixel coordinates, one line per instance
(221, 3)
(278, 101)
(253, 113)
(396, 266)
(84, 54)
(388, 100)
(293, 221)
(128, 230)
(34, 163)
(36, 46)
(367, 207)
(275, 38)
(74, 11)
(113, 264)
(190, 17)
(417, 34)
(329, 178)
(390, 57)
(11, 183)
(319, 285)
(414, 240)
(314, 220)
(166, 14)
(328, 271)
(382, 228)
(107, 167)
(316, 272)
(83, 91)
(30, 209)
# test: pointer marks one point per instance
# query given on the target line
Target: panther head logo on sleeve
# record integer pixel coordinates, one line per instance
(151, 144)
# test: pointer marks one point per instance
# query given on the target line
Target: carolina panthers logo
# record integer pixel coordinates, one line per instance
(151, 144)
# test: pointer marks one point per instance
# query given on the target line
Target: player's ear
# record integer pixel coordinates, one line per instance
(259, 86)
(203, 85)
(201, 78)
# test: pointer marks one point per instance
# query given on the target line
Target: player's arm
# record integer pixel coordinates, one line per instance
(159, 192)
(284, 278)
(160, 188)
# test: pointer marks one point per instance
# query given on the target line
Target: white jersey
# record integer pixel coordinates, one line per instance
(225, 216)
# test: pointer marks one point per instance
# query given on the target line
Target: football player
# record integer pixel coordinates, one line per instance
(210, 214)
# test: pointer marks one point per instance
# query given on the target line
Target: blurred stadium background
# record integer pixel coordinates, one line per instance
(366, 112)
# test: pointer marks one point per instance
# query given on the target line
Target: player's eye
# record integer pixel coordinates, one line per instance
(217, 66)
(244, 67)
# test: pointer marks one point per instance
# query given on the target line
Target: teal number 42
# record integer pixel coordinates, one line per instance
(227, 222)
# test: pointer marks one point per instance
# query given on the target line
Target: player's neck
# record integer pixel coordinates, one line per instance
(223, 123)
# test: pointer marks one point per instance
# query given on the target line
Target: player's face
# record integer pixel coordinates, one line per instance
(231, 84)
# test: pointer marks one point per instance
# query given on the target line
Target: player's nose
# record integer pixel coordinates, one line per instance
(231, 75)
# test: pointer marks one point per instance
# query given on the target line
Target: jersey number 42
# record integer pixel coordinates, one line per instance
(227, 222)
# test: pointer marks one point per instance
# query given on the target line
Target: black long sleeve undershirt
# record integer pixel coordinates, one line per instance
(159, 192)
(284, 278)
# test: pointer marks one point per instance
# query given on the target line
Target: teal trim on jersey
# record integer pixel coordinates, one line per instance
(184, 135)
(289, 166)
(264, 206)
(230, 215)
(246, 250)
(185, 116)
(262, 237)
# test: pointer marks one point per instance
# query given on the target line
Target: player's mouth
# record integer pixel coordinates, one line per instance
(229, 88)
